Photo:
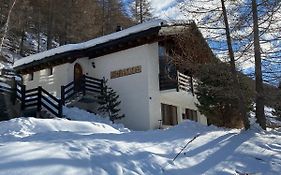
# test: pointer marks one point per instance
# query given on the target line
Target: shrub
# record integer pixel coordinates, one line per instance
(216, 96)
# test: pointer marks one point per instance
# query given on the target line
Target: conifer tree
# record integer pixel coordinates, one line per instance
(277, 110)
(216, 97)
(141, 10)
(109, 103)
(277, 107)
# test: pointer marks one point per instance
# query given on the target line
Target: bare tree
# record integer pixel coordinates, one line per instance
(141, 10)
(6, 26)
(209, 17)
(234, 71)
(258, 72)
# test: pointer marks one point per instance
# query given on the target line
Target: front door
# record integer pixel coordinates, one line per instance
(78, 73)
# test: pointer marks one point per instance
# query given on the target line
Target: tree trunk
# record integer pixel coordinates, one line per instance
(38, 30)
(136, 10)
(109, 16)
(21, 46)
(258, 71)
(235, 78)
(38, 38)
(141, 11)
(103, 17)
(50, 25)
(6, 26)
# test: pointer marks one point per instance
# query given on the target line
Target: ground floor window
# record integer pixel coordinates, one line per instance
(169, 114)
(190, 114)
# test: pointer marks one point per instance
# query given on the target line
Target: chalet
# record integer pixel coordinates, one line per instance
(137, 65)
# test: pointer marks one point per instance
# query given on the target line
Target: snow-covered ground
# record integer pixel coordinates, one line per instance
(59, 146)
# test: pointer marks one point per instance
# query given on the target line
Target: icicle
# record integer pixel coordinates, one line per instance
(6, 26)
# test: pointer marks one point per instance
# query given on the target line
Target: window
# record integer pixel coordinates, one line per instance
(30, 76)
(169, 114)
(49, 71)
(166, 63)
(190, 114)
(162, 52)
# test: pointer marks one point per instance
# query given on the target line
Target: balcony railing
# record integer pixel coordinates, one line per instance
(181, 82)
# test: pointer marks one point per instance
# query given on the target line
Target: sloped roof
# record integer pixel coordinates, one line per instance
(91, 43)
(148, 32)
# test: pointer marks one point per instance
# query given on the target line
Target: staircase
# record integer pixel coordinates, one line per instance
(84, 95)
(72, 91)
(8, 109)
(40, 103)
(4, 115)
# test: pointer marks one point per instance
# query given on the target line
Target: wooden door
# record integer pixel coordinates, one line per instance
(174, 115)
(169, 114)
(78, 73)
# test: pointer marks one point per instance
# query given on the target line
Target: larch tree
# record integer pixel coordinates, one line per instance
(141, 10)
(257, 30)
(234, 73)
(38, 25)
(4, 28)
(209, 17)
(216, 22)
(258, 70)
(113, 15)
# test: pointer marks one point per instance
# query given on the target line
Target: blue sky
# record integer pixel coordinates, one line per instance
(163, 8)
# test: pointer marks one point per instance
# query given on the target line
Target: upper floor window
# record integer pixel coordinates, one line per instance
(50, 71)
(165, 50)
(166, 62)
(162, 51)
(30, 76)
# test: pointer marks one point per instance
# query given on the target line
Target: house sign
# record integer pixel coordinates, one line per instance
(125, 72)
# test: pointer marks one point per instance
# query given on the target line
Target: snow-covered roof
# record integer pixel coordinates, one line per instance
(90, 43)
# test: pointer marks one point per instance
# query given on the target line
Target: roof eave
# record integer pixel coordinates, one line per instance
(91, 52)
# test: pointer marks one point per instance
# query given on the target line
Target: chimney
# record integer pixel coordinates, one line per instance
(119, 28)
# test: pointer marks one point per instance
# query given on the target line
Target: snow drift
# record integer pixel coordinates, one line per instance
(67, 147)
(23, 127)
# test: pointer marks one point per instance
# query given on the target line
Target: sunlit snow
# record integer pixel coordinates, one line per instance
(60, 146)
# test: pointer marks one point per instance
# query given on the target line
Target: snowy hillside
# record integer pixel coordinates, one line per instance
(59, 146)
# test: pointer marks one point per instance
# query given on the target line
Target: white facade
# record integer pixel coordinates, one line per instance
(139, 93)
(182, 100)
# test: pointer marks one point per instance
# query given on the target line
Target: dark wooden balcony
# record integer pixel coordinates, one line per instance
(180, 83)
(166, 83)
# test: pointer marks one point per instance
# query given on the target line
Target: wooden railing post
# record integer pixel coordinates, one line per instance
(178, 83)
(62, 95)
(192, 85)
(60, 110)
(23, 88)
(39, 99)
(102, 84)
(83, 84)
(14, 91)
